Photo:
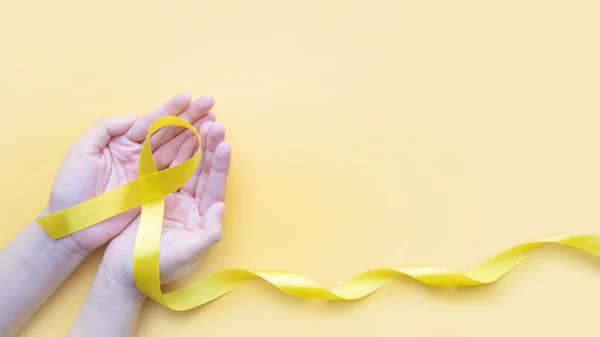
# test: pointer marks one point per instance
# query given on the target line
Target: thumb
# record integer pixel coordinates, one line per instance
(98, 136)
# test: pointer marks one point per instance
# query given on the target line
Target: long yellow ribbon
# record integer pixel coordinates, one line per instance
(152, 186)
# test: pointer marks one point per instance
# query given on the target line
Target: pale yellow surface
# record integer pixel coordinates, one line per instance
(365, 134)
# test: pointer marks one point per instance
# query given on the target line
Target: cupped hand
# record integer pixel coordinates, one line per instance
(106, 156)
(192, 217)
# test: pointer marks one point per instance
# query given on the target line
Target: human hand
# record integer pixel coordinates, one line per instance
(192, 215)
(106, 156)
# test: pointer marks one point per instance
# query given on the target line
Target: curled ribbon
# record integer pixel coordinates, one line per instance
(152, 186)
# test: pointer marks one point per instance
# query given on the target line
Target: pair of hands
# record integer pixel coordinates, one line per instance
(106, 156)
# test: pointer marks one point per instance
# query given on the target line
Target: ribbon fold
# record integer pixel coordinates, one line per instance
(152, 186)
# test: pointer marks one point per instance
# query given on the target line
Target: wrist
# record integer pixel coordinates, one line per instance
(63, 249)
(110, 283)
(109, 309)
(32, 267)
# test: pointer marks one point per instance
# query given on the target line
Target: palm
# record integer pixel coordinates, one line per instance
(117, 163)
(181, 214)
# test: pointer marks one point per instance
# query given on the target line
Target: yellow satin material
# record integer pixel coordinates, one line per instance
(152, 186)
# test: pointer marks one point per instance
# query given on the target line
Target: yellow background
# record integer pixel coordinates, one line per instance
(365, 134)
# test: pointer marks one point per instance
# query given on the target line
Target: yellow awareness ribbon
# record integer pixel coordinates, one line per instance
(152, 186)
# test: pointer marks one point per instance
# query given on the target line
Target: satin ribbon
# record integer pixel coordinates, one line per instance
(152, 186)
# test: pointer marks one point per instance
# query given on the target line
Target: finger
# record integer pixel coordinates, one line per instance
(173, 106)
(216, 134)
(198, 109)
(165, 154)
(186, 151)
(214, 187)
(190, 186)
(98, 136)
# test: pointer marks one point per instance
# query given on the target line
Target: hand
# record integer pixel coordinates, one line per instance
(106, 156)
(192, 217)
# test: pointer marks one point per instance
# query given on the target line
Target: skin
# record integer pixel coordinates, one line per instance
(33, 265)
